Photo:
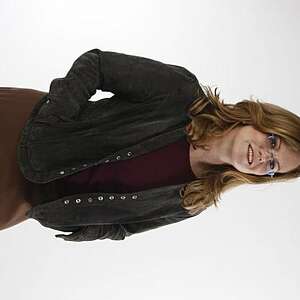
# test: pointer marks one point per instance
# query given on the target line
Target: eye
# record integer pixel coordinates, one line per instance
(273, 138)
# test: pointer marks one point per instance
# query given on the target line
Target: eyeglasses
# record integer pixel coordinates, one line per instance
(272, 164)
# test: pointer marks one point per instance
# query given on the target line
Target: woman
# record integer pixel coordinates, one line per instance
(112, 168)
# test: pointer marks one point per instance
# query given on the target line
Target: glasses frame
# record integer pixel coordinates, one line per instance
(272, 138)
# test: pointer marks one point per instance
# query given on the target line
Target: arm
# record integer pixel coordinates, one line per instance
(134, 77)
(118, 231)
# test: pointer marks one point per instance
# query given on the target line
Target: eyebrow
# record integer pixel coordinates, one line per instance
(278, 150)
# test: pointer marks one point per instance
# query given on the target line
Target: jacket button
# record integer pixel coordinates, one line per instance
(123, 197)
(78, 200)
(134, 197)
(62, 172)
(90, 199)
(100, 198)
(84, 165)
(129, 153)
(66, 201)
(111, 197)
(118, 157)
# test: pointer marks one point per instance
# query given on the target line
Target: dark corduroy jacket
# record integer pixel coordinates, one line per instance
(67, 133)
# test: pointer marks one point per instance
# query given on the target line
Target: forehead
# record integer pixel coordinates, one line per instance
(287, 157)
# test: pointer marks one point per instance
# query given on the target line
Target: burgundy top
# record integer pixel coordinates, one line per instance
(168, 165)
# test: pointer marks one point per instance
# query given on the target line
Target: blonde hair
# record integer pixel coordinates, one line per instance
(210, 118)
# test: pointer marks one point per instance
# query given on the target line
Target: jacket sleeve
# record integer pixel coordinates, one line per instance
(117, 231)
(133, 77)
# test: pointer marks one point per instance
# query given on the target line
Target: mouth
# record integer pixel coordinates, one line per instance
(250, 154)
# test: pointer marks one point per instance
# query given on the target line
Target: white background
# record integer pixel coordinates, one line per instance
(246, 249)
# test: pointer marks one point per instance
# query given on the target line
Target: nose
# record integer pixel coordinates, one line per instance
(265, 155)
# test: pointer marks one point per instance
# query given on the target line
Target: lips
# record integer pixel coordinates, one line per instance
(250, 149)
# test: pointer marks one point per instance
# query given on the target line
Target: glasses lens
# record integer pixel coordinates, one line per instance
(271, 166)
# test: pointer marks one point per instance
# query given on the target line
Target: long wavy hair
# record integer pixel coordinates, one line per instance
(210, 118)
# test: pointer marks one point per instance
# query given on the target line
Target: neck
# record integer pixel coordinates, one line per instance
(219, 151)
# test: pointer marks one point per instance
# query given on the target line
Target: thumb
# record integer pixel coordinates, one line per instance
(62, 236)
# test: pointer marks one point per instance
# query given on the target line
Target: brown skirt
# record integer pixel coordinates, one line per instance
(16, 105)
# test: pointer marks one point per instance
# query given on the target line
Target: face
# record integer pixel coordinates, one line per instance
(285, 159)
